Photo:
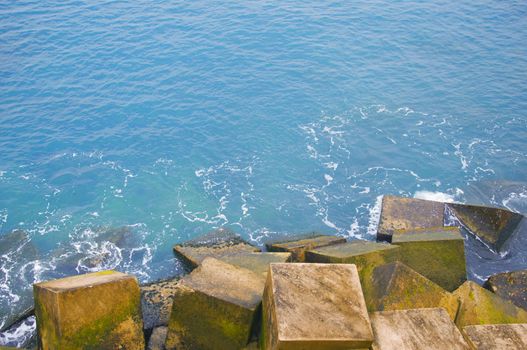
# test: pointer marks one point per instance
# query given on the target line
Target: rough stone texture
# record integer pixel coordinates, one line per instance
(215, 244)
(314, 306)
(298, 247)
(511, 286)
(436, 253)
(157, 339)
(214, 307)
(399, 213)
(256, 262)
(494, 226)
(398, 287)
(497, 336)
(479, 306)
(156, 302)
(99, 310)
(416, 329)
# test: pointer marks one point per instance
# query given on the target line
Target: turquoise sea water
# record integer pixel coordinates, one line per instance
(169, 119)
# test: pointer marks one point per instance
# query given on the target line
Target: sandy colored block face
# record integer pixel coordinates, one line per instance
(437, 254)
(214, 307)
(195, 255)
(256, 262)
(314, 306)
(299, 247)
(399, 213)
(511, 286)
(398, 287)
(479, 306)
(94, 311)
(493, 225)
(416, 329)
(497, 336)
(347, 252)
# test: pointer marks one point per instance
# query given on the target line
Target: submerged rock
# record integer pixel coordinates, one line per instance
(156, 302)
(511, 286)
(398, 287)
(299, 245)
(416, 329)
(215, 244)
(436, 253)
(398, 213)
(497, 336)
(493, 226)
(314, 306)
(214, 307)
(97, 310)
(479, 306)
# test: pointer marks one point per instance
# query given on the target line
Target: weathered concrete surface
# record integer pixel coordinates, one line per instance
(256, 262)
(157, 339)
(398, 213)
(215, 244)
(511, 286)
(416, 329)
(398, 287)
(156, 302)
(497, 336)
(99, 310)
(493, 225)
(479, 306)
(300, 246)
(436, 253)
(314, 306)
(214, 307)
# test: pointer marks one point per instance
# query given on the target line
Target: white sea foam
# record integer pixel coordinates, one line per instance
(375, 216)
(20, 334)
(435, 196)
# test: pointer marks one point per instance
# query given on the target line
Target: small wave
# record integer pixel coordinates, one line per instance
(435, 196)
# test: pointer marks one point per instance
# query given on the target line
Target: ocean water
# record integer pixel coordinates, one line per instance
(129, 126)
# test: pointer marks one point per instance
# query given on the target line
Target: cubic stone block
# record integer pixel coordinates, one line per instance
(298, 247)
(437, 253)
(256, 262)
(314, 306)
(398, 287)
(479, 306)
(398, 213)
(493, 225)
(416, 329)
(497, 336)
(98, 310)
(214, 307)
(511, 286)
(216, 244)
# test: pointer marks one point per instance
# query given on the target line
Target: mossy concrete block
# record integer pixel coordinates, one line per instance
(416, 329)
(436, 253)
(298, 247)
(493, 226)
(398, 287)
(256, 262)
(314, 306)
(214, 307)
(216, 244)
(479, 306)
(511, 286)
(98, 310)
(497, 336)
(398, 213)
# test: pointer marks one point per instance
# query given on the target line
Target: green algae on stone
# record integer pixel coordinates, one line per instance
(480, 306)
(314, 306)
(215, 307)
(216, 244)
(299, 245)
(398, 213)
(436, 253)
(94, 311)
(497, 336)
(511, 286)
(493, 226)
(398, 287)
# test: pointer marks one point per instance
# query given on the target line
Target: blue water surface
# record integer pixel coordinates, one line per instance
(169, 119)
